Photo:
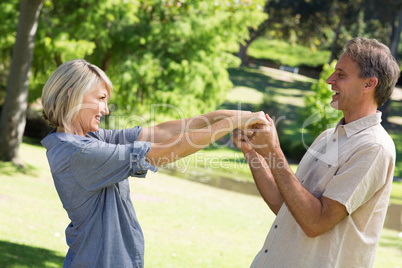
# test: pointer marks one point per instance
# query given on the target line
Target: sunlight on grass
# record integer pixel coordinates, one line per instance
(396, 193)
(245, 95)
(283, 53)
(395, 120)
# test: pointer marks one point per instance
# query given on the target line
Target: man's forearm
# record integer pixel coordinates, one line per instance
(264, 180)
(315, 216)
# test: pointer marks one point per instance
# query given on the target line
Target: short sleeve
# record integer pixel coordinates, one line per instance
(123, 136)
(99, 164)
(360, 177)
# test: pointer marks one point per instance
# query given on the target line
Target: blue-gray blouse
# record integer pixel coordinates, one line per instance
(91, 177)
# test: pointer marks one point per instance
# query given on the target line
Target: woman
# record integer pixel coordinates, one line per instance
(90, 166)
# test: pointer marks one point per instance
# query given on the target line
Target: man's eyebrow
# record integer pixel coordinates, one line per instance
(339, 69)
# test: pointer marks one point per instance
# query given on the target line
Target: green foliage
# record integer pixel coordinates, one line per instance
(180, 55)
(8, 25)
(169, 52)
(317, 114)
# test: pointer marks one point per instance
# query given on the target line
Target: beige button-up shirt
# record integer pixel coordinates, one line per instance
(354, 165)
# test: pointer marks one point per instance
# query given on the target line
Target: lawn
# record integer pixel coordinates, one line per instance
(185, 223)
(284, 53)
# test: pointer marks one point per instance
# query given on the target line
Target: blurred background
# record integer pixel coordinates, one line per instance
(169, 59)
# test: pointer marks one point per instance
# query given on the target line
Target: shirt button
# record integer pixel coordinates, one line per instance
(302, 181)
(276, 226)
(316, 159)
(334, 140)
(266, 251)
(329, 166)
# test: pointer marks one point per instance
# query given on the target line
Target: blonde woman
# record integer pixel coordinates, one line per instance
(90, 166)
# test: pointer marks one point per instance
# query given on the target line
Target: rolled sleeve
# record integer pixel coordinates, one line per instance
(139, 166)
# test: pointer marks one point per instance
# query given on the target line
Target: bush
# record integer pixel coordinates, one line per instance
(317, 115)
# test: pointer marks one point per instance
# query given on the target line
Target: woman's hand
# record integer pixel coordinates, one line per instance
(251, 120)
(241, 139)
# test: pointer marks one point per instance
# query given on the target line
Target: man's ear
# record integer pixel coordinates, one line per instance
(370, 84)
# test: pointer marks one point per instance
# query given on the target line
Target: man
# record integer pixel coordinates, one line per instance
(331, 212)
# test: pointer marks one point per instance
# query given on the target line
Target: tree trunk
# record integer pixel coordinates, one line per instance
(396, 25)
(253, 35)
(334, 47)
(243, 54)
(13, 116)
(396, 34)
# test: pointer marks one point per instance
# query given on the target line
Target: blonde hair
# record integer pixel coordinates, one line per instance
(64, 92)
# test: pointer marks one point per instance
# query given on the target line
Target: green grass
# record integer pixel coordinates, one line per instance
(186, 224)
(396, 194)
(284, 53)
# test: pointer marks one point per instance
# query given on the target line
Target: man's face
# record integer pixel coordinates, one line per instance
(347, 85)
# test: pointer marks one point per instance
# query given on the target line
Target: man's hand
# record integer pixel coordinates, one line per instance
(265, 137)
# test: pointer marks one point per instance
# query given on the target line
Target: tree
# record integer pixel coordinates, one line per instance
(168, 52)
(12, 122)
(297, 21)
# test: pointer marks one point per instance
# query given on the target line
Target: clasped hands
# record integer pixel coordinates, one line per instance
(261, 137)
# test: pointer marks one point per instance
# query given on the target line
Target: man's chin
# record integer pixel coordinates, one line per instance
(334, 104)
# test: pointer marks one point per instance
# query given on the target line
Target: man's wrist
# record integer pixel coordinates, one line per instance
(250, 154)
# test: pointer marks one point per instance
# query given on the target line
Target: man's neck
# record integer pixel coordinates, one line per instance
(357, 114)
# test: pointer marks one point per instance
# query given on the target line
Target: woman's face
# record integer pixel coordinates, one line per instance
(94, 106)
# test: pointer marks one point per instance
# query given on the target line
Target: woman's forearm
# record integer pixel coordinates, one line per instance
(187, 143)
(167, 130)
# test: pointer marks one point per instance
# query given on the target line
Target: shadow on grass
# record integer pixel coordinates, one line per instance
(32, 141)
(256, 79)
(9, 169)
(16, 255)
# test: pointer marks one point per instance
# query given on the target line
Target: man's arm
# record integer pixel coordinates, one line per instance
(187, 143)
(167, 130)
(314, 215)
(262, 175)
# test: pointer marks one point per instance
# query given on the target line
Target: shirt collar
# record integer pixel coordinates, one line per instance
(54, 138)
(359, 124)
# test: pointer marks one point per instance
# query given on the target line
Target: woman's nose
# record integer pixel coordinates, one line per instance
(105, 109)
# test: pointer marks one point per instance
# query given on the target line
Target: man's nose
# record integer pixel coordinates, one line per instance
(330, 80)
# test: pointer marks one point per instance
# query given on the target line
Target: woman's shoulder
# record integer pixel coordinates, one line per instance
(115, 136)
(61, 138)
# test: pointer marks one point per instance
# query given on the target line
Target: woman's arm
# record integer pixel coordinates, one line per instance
(167, 130)
(187, 143)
